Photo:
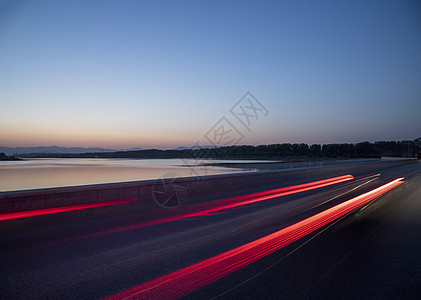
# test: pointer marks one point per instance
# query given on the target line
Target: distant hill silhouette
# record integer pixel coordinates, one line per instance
(59, 150)
(51, 149)
(194, 147)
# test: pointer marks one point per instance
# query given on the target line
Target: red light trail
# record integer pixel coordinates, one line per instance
(211, 208)
(186, 280)
(222, 205)
(55, 210)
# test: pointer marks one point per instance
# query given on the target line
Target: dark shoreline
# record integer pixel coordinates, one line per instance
(10, 158)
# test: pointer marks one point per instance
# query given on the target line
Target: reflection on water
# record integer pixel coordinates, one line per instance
(44, 173)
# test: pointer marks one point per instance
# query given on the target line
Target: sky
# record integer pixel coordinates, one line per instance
(162, 74)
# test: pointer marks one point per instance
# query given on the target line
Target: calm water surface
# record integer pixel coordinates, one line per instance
(44, 173)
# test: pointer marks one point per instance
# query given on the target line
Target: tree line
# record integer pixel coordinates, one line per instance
(272, 151)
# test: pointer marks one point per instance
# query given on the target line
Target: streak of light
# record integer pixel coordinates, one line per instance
(186, 280)
(55, 210)
(204, 209)
(367, 176)
(344, 193)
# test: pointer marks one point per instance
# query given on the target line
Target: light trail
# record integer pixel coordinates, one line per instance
(253, 198)
(212, 208)
(186, 280)
(55, 210)
(351, 190)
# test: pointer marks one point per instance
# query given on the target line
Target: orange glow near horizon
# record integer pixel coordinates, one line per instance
(93, 142)
(109, 138)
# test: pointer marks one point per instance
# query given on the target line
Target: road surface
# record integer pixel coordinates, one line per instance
(374, 251)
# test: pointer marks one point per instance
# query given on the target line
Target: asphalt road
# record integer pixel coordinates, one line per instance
(372, 252)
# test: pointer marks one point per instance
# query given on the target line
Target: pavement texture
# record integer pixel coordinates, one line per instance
(372, 252)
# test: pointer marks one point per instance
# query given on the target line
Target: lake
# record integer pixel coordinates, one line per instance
(46, 173)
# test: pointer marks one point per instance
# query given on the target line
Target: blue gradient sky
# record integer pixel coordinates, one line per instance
(125, 74)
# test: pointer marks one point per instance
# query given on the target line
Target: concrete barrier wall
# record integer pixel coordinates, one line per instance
(148, 194)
